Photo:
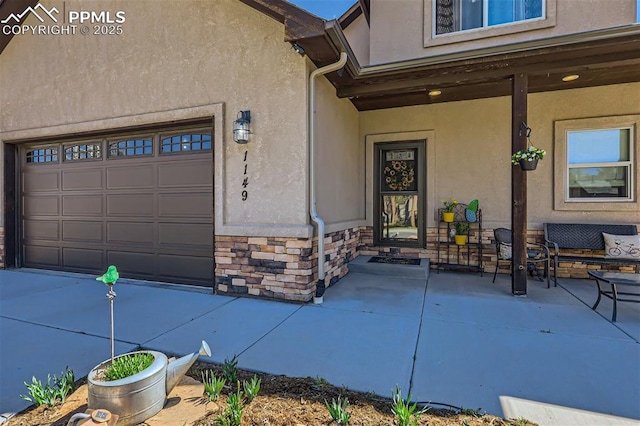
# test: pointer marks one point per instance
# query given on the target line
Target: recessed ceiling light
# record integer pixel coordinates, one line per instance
(571, 77)
(435, 92)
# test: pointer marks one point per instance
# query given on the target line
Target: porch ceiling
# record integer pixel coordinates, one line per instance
(611, 60)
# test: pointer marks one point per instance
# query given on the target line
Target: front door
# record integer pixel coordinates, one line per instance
(399, 193)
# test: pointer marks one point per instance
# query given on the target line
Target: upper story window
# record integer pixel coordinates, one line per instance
(131, 147)
(186, 142)
(461, 15)
(83, 151)
(42, 155)
(600, 165)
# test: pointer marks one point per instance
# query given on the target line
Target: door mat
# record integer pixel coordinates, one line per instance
(395, 260)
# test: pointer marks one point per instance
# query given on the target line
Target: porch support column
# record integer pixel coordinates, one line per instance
(519, 89)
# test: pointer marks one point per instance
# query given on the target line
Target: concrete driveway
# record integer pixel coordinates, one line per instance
(455, 339)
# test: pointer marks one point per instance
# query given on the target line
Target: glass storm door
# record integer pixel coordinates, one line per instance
(399, 194)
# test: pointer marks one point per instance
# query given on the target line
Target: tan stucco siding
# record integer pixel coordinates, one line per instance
(357, 34)
(402, 29)
(471, 144)
(175, 59)
(340, 178)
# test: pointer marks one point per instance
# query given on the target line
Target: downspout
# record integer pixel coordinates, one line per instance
(320, 287)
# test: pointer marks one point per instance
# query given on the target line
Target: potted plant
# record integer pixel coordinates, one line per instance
(449, 207)
(528, 158)
(134, 385)
(462, 228)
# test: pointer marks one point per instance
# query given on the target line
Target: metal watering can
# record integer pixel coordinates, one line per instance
(141, 396)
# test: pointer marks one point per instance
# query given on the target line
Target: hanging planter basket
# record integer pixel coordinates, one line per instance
(527, 158)
(528, 165)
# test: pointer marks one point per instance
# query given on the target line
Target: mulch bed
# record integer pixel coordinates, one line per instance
(285, 401)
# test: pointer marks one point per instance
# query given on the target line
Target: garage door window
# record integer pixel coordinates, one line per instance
(89, 151)
(131, 147)
(42, 155)
(186, 142)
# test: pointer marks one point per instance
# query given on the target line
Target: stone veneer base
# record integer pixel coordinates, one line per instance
(280, 268)
(286, 268)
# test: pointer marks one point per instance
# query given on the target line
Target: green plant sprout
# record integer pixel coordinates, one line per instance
(51, 393)
(128, 365)
(462, 228)
(251, 388)
(232, 415)
(212, 385)
(318, 383)
(230, 369)
(471, 412)
(407, 413)
(338, 410)
(450, 205)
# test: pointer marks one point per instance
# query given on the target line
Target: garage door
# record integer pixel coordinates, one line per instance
(142, 202)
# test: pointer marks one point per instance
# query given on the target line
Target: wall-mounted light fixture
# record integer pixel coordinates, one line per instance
(297, 48)
(242, 127)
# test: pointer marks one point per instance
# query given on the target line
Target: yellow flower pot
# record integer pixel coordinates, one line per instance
(447, 216)
(461, 240)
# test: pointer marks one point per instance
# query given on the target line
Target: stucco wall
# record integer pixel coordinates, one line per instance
(357, 33)
(339, 153)
(402, 29)
(175, 60)
(471, 144)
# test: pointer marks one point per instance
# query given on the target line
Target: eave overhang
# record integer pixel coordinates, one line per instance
(301, 28)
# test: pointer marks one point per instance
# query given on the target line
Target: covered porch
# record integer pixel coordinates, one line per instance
(467, 110)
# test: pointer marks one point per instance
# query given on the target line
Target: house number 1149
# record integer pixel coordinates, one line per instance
(245, 180)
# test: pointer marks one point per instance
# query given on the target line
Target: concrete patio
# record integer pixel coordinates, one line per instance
(455, 338)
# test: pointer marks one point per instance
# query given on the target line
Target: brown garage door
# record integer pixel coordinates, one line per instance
(142, 202)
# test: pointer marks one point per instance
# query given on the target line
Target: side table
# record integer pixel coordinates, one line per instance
(616, 279)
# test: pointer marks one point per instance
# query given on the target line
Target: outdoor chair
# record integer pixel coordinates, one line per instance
(537, 254)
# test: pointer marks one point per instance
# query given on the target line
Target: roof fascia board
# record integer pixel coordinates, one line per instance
(298, 22)
(350, 15)
(365, 5)
(338, 39)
